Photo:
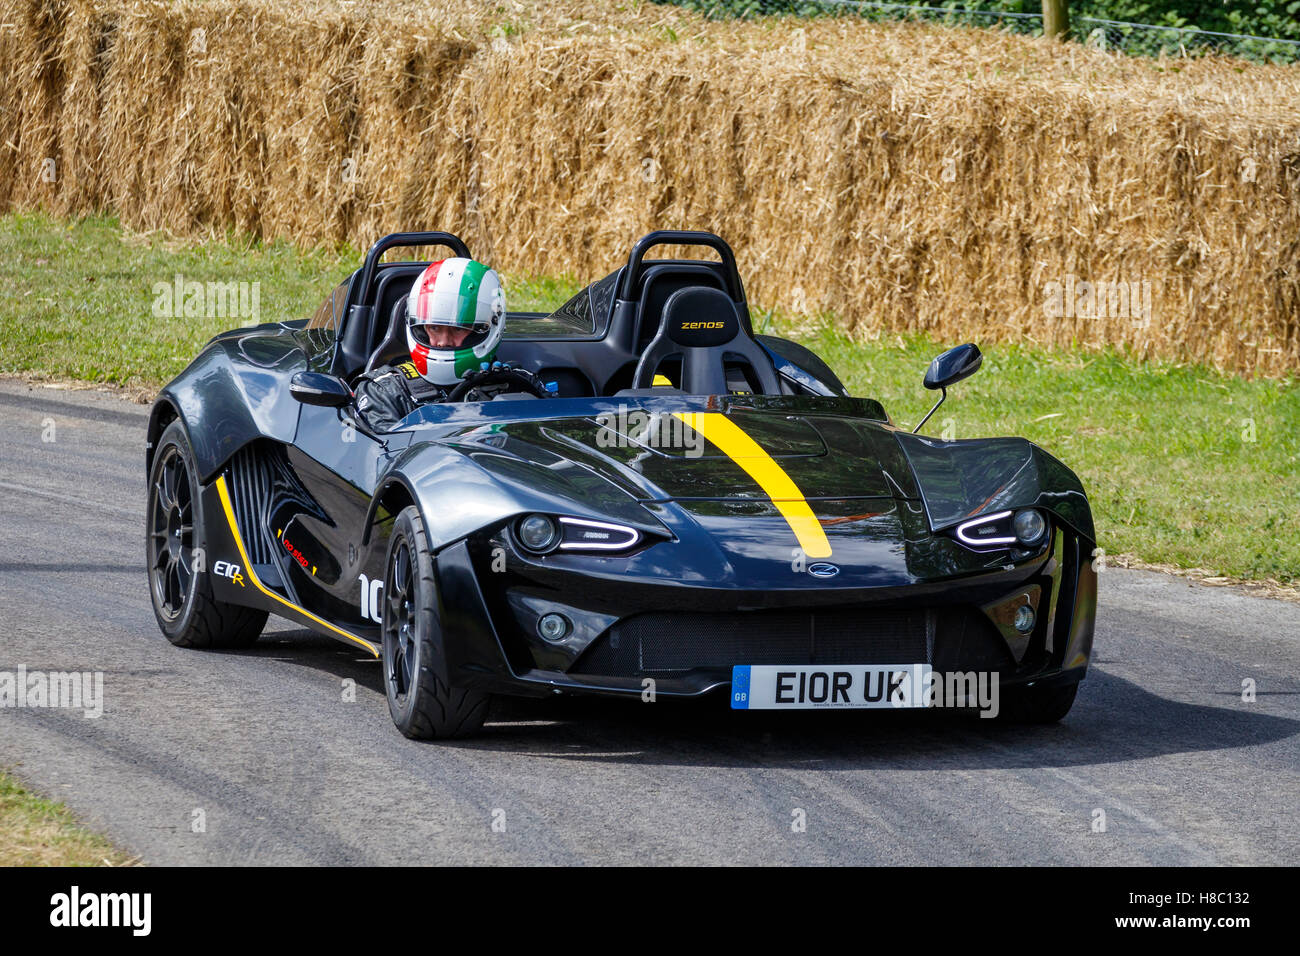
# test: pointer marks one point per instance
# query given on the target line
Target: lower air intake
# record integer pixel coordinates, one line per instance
(666, 642)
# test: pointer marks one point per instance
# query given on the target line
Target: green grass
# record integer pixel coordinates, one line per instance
(77, 298)
(39, 832)
(1163, 450)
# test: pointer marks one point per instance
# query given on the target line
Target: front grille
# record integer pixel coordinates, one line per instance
(673, 641)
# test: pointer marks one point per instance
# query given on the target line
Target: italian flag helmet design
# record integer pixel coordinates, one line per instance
(462, 294)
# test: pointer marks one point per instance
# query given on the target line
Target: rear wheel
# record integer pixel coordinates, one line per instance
(179, 586)
(422, 706)
(1039, 705)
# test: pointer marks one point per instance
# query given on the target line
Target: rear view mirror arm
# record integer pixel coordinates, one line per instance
(943, 393)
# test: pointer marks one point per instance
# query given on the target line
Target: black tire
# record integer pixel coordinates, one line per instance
(422, 706)
(1038, 705)
(181, 593)
(806, 359)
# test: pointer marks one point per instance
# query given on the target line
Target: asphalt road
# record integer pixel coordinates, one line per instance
(262, 747)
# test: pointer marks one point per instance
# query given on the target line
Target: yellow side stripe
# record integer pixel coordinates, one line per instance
(732, 440)
(252, 575)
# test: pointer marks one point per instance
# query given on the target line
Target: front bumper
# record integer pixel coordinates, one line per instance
(628, 627)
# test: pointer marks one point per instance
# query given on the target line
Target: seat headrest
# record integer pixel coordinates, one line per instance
(700, 317)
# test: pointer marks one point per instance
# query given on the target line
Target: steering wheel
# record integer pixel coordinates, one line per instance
(514, 378)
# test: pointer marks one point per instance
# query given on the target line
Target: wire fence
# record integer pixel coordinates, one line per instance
(1141, 39)
(1134, 39)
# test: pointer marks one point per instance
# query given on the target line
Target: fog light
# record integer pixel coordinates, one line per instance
(1024, 621)
(538, 533)
(553, 627)
(1029, 526)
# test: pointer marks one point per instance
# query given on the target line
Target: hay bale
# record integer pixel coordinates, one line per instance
(902, 177)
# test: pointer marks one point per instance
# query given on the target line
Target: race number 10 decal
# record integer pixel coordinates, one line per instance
(371, 609)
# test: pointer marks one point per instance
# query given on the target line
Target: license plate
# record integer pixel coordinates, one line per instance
(801, 687)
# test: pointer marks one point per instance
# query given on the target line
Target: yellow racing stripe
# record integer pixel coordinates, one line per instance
(733, 441)
(252, 575)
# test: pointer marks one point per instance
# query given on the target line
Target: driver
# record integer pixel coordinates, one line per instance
(455, 314)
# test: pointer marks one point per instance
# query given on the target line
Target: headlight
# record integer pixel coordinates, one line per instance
(1029, 526)
(1026, 528)
(581, 534)
(537, 533)
(986, 532)
(542, 534)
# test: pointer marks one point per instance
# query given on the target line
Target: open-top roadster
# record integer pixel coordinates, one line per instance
(649, 500)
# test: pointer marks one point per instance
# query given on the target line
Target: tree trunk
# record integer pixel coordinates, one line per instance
(1056, 18)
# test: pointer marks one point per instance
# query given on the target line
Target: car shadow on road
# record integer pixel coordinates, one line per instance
(1113, 720)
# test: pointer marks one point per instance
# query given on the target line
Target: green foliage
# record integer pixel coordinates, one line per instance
(1264, 18)
(1260, 18)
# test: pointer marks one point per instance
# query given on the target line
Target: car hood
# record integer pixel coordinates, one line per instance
(739, 454)
(747, 485)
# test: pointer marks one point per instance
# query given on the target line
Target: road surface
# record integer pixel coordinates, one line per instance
(259, 757)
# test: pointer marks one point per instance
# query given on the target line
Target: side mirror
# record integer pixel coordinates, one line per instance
(949, 369)
(953, 366)
(317, 388)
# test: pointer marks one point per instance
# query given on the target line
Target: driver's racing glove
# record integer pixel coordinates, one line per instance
(486, 371)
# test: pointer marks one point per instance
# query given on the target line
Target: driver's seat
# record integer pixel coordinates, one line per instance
(701, 325)
(393, 345)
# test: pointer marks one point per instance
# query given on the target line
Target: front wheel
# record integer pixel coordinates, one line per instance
(422, 706)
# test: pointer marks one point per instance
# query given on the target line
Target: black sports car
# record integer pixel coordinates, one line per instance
(653, 501)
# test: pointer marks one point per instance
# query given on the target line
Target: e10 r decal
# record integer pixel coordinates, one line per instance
(224, 569)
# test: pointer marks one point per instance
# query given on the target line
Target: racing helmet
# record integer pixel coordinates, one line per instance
(455, 314)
